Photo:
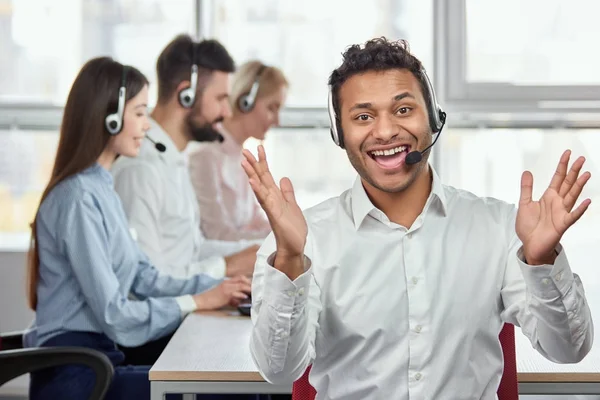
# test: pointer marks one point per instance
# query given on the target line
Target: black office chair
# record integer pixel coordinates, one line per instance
(16, 361)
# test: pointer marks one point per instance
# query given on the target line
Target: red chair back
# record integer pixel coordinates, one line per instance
(508, 389)
(509, 384)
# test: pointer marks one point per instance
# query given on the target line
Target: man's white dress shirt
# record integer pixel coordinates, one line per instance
(384, 312)
(161, 207)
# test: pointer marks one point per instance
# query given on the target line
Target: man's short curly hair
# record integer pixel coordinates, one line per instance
(377, 54)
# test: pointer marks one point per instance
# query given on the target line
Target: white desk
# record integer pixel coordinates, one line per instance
(210, 353)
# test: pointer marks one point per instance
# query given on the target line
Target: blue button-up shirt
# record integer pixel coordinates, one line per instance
(93, 276)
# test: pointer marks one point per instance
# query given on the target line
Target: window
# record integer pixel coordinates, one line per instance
(554, 51)
(492, 51)
(317, 168)
(39, 65)
(489, 162)
(26, 160)
(306, 39)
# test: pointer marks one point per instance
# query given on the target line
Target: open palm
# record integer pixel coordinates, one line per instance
(284, 214)
(541, 224)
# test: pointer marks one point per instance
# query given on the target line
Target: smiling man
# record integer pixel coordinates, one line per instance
(399, 287)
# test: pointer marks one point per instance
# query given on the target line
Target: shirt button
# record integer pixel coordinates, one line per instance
(301, 292)
(290, 293)
(418, 376)
(558, 276)
(418, 328)
(545, 281)
(415, 280)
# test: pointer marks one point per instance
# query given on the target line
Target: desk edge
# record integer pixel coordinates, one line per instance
(526, 377)
(205, 376)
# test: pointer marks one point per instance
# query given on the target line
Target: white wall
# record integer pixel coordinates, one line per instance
(14, 313)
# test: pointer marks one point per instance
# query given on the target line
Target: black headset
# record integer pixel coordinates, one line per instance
(187, 96)
(437, 116)
(246, 101)
(114, 122)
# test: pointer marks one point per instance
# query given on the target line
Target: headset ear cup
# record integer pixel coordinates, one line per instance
(441, 119)
(112, 124)
(186, 98)
(244, 104)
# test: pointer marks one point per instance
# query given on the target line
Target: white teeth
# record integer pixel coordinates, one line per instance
(389, 152)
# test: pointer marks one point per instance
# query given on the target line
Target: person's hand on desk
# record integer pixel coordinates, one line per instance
(285, 216)
(229, 292)
(241, 263)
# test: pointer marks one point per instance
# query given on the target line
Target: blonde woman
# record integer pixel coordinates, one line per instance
(229, 208)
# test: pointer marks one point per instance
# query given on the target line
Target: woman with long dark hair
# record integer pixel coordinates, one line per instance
(89, 283)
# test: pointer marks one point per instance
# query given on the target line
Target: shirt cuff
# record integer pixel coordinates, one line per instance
(215, 267)
(282, 293)
(547, 281)
(187, 304)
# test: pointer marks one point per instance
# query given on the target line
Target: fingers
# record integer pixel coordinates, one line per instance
(571, 177)
(260, 191)
(526, 187)
(244, 287)
(239, 295)
(243, 279)
(574, 215)
(238, 284)
(249, 156)
(260, 168)
(263, 171)
(561, 171)
(258, 188)
(248, 164)
(288, 190)
(575, 191)
(260, 177)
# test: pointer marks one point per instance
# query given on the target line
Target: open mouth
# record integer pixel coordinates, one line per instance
(390, 158)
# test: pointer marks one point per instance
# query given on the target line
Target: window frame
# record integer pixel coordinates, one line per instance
(451, 65)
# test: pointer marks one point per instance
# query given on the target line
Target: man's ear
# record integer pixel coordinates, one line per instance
(183, 85)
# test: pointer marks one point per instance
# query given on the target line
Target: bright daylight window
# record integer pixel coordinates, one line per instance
(39, 69)
(525, 56)
(305, 39)
(39, 65)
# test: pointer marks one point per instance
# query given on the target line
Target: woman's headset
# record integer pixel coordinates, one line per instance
(436, 115)
(114, 121)
(246, 101)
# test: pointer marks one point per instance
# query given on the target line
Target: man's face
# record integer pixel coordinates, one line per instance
(210, 108)
(384, 117)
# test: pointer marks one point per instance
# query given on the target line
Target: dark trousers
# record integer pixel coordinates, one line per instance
(130, 381)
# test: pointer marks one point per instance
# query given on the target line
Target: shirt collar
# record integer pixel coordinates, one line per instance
(171, 155)
(99, 171)
(362, 205)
